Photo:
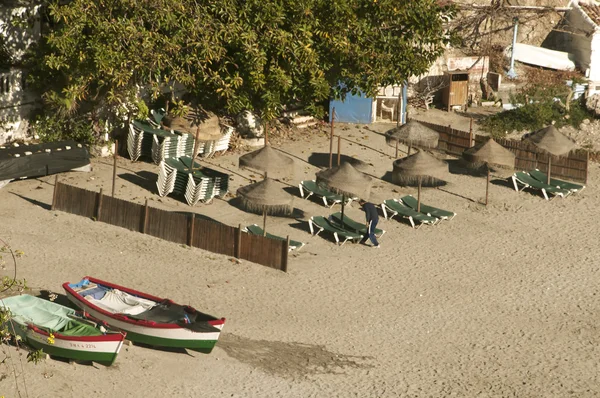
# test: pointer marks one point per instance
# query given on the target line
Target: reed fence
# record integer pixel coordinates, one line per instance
(527, 157)
(181, 228)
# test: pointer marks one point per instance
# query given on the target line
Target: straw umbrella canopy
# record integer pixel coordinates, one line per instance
(489, 153)
(268, 160)
(412, 134)
(265, 197)
(203, 125)
(418, 168)
(345, 180)
(553, 142)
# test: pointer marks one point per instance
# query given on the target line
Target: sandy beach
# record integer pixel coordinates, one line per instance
(499, 302)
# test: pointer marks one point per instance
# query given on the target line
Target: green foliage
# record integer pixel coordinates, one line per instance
(233, 55)
(546, 99)
(55, 127)
(535, 116)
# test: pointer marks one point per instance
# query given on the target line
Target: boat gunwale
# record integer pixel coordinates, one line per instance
(113, 336)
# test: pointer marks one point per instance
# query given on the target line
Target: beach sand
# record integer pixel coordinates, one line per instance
(501, 301)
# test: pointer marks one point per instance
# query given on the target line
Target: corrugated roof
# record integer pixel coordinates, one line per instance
(592, 11)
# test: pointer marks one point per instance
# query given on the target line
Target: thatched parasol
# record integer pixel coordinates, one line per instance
(489, 153)
(203, 125)
(553, 142)
(418, 168)
(412, 134)
(345, 180)
(266, 197)
(268, 160)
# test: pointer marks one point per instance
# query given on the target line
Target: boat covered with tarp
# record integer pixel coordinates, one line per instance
(21, 161)
(147, 319)
(60, 331)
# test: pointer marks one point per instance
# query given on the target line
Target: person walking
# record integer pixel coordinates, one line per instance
(372, 219)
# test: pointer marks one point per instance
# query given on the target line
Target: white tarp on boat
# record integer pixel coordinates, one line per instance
(119, 302)
(543, 57)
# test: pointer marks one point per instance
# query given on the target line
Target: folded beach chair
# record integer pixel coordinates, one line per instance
(393, 207)
(542, 177)
(319, 224)
(310, 187)
(411, 202)
(256, 230)
(528, 181)
(336, 220)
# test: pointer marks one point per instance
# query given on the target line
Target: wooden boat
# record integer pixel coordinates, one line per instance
(147, 319)
(59, 331)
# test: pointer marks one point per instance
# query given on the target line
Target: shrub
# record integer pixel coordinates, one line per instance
(535, 116)
(54, 127)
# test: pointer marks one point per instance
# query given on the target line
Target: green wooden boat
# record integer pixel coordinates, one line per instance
(59, 331)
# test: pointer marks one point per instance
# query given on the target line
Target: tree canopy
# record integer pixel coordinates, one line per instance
(234, 55)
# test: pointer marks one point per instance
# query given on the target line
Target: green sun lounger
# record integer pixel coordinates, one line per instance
(393, 207)
(336, 219)
(256, 230)
(411, 202)
(528, 181)
(318, 224)
(541, 176)
(310, 187)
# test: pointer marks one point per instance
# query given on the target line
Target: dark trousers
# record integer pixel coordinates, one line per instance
(371, 233)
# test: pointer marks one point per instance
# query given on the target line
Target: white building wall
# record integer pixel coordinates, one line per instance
(16, 103)
(580, 44)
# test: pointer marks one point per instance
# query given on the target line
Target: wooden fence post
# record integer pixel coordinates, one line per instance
(145, 224)
(191, 229)
(114, 178)
(339, 148)
(99, 208)
(56, 185)
(587, 165)
(284, 254)
(471, 143)
(238, 241)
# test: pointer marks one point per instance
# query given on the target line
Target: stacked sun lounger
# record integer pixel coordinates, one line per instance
(157, 144)
(210, 148)
(147, 139)
(537, 180)
(200, 186)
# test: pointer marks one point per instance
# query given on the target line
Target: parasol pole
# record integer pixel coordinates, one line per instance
(487, 187)
(549, 167)
(343, 205)
(409, 148)
(397, 141)
(265, 215)
(195, 148)
(419, 196)
(331, 139)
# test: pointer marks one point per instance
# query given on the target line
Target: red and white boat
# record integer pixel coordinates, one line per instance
(146, 318)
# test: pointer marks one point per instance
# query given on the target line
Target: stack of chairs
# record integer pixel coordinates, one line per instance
(171, 145)
(200, 186)
(147, 139)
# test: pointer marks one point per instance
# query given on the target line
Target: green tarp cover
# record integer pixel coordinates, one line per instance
(46, 314)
